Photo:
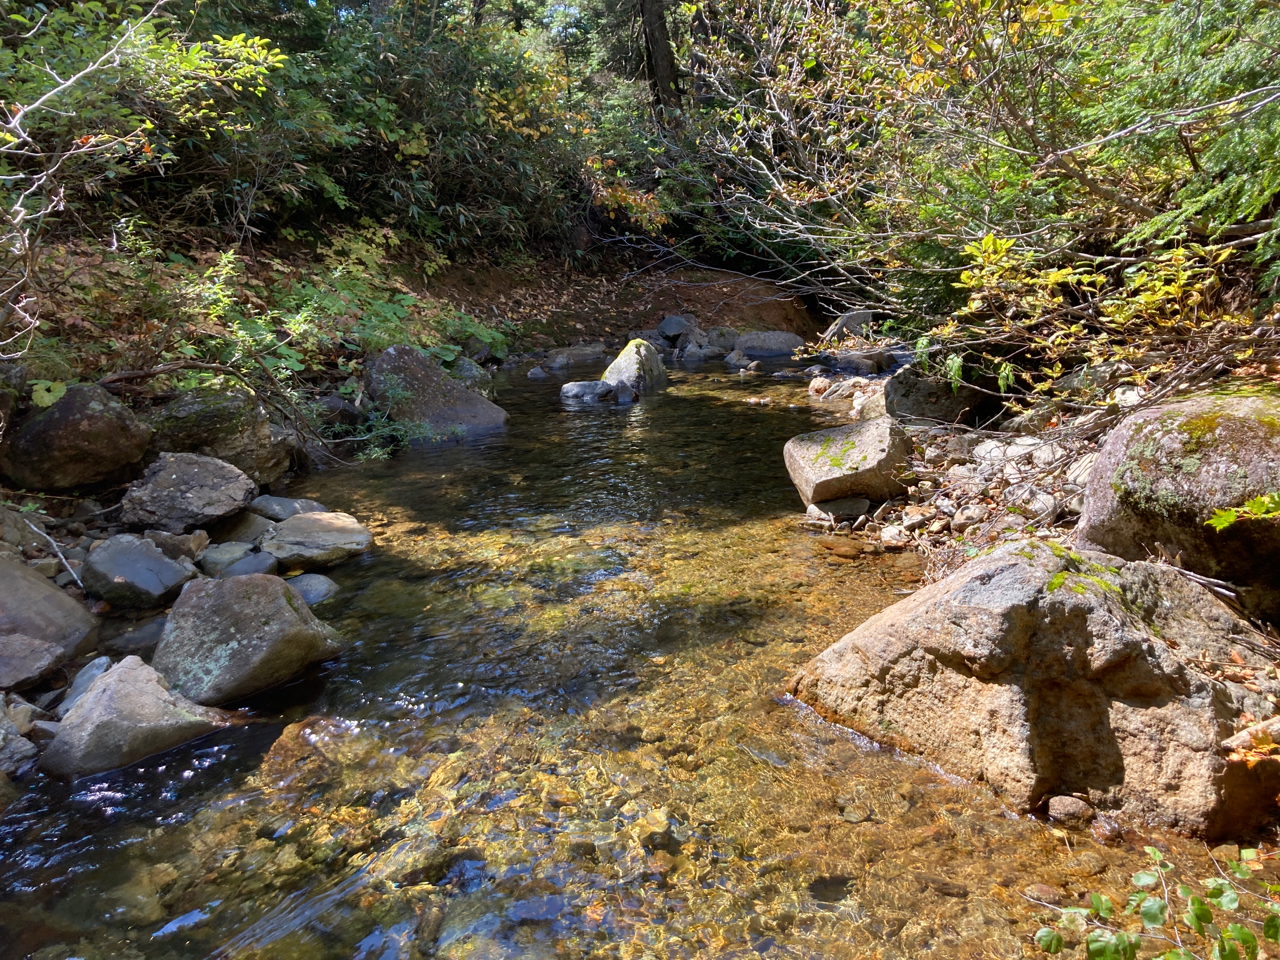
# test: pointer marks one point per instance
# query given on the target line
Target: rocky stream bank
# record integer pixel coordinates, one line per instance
(678, 805)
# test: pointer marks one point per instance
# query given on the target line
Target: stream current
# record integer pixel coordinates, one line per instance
(556, 733)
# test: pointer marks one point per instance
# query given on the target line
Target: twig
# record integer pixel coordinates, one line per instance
(54, 544)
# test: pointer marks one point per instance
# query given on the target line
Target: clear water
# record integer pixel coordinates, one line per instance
(555, 734)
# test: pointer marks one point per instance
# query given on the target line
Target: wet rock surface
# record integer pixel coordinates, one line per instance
(310, 540)
(414, 388)
(314, 588)
(185, 490)
(84, 437)
(227, 639)
(127, 714)
(1044, 672)
(130, 571)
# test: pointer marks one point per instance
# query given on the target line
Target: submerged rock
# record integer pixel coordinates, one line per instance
(414, 388)
(1163, 472)
(1050, 673)
(309, 540)
(227, 423)
(768, 343)
(31, 605)
(863, 459)
(127, 714)
(638, 366)
(83, 437)
(314, 588)
(227, 639)
(185, 490)
(130, 571)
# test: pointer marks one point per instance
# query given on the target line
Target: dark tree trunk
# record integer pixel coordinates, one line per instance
(659, 57)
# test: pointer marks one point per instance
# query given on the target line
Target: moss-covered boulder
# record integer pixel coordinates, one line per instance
(413, 388)
(227, 639)
(639, 366)
(85, 437)
(226, 422)
(1163, 472)
(863, 459)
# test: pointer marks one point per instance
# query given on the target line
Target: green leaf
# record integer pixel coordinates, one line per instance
(1154, 912)
(45, 393)
(1146, 878)
(1049, 940)
(1271, 928)
(1111, 945)
(1101, 905)
(1243, 936)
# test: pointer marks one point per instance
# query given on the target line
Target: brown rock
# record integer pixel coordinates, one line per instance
(25, 661)
(414, 388)
(31, 605)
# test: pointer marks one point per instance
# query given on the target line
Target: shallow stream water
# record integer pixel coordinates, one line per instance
(556, 733)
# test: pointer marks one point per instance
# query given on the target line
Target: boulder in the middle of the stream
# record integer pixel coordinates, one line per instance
(1048, 673)
(639, 367)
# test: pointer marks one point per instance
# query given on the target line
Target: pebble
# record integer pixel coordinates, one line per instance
(1070, 811)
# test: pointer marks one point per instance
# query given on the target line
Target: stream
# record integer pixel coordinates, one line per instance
(556, 733)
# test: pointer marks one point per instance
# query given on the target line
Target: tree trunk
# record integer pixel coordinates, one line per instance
(659, 57)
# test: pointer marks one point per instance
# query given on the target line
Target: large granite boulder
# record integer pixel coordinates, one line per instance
(25, 661)
(769, 343)
(1162, 473)
(31, 605)
(228, 423)
(181, 491)
(309, 540)
(227, 639)
(84, 437)
(1048, 673)
(696, 344)
(863, 459)
(915, 399)
(132, 572)
(413, 388)
(639, 366)
(128, 713)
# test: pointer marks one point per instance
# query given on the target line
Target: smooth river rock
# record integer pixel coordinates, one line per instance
(638, 366)
(310, 540)
(185, 490)
(127, 714)
(31, 605)
(227, 639)
(84, 437)
(1048, 673)
(863, 459)
(282, 508)
(314, 588)
(1162, 473)
(132, 572)
(768, 343)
